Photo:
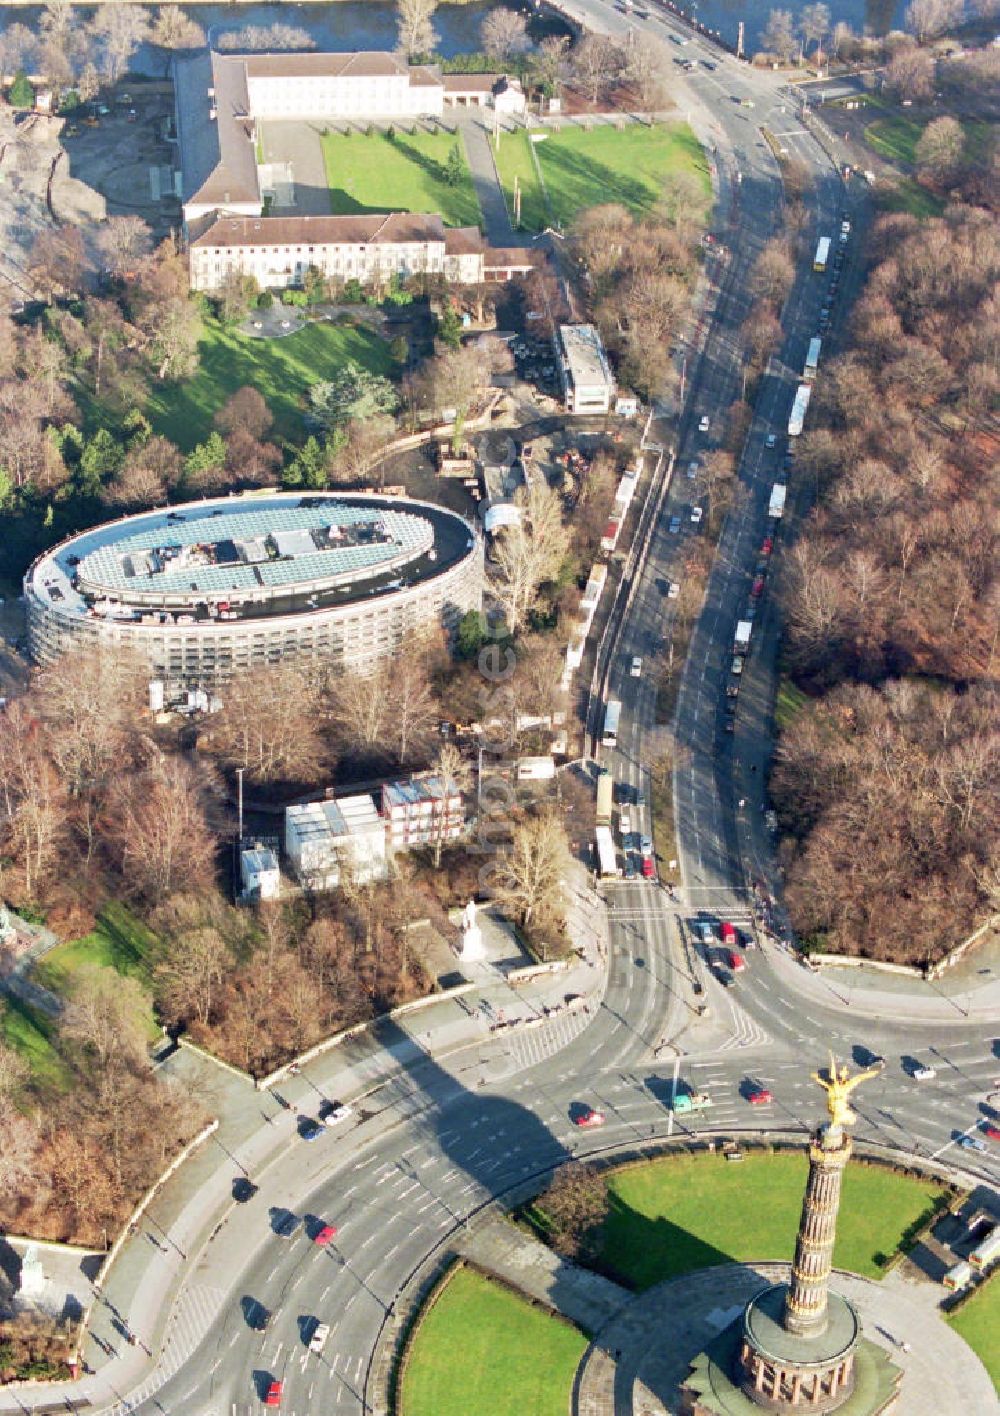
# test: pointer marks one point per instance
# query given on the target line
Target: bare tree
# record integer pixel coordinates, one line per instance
(575, 1207)
(528, 878)
(159, 831)
(246, 409)
(774, 272)
(267, 37)
(147, 474)
(269, 725)
(17, 48)
(18, 1145)
(594, 60)
(647, 69)
(174, 30)
(456, 776)
(814, 24)
(105, 1016)
(927, 18)
(416, 32)
(529, 553)
(939, 149)
(910, 73)
(190, 975)
(118, 31)
(359, 458)
(779, 35)
(32, 801)
(359, 710)
(123, 240)
(503, 34)
(413, 706)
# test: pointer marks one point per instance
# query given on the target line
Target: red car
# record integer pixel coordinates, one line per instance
(757, 589)
(991, 1132)
(728, 935)
(736, 961)
(325, 1234)
(273, 1397)
(648, 868)
(767, 547)
(760, 1096)
(589, 1117)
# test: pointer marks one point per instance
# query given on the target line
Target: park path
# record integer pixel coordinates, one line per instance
(496, 221)
(524, 1263)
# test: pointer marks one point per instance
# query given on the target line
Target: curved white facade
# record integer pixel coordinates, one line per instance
(211, 588)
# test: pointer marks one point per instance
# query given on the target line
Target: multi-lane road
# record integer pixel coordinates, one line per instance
(437, 1141)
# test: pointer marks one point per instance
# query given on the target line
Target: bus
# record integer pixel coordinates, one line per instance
(812, 359)
(607, 858)
(609, 738)
(822, 253)
(798, 414)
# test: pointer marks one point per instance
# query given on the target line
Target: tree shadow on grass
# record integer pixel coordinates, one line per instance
(574, 180)
(640, 1250)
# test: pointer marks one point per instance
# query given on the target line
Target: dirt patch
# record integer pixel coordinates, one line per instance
(77, 171)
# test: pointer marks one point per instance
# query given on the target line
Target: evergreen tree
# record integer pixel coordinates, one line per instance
(20, 93)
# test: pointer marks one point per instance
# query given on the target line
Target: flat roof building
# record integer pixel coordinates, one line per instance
(331, 842)
(587, 380)
(208, 589)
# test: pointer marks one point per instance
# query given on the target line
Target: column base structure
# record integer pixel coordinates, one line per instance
(756, 1364)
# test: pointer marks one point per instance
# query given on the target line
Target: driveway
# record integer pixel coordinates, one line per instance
(474, 126)
(294, 154)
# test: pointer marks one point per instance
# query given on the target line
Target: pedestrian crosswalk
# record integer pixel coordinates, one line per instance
(197, 1308)
(526, 1046)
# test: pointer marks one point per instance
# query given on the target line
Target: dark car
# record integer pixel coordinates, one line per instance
(310, 1129)
(285, 1223)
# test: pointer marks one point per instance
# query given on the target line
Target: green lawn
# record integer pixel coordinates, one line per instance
(789, 703)
(118, 941)
(896, 139)
(482, 1351)
(582, 168)
(513, 160)
(978, 1321)
(905, 194)
(29, 1033)
(281, 369)
(684, 1213)
(402, 173)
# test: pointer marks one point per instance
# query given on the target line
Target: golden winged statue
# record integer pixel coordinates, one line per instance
(838, 1085)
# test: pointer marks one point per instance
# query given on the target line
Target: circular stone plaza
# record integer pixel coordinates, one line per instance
(211, 588)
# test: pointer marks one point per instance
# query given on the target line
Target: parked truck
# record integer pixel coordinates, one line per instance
(605, 797)
(741, 639)
(690, 1101)
(776, 506)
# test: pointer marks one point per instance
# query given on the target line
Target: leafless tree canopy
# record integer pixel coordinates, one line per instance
(888, 781)
(416, 32)
(504, 33)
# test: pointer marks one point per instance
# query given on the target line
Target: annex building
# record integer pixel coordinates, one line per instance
(212, 588)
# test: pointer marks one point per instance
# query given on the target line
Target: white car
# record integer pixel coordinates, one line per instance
(696, 514)
(625, 823)
(693, 469)
(674, 590)
(771, 440)
(924, 1074)
(703, 423)
(335, 1113)
(636, 669)
(737, 665)
(319, 1337)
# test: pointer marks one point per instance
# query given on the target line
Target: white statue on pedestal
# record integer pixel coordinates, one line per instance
(32, 1283)
(472, 936)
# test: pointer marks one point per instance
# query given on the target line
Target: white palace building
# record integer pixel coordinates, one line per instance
(221, 99)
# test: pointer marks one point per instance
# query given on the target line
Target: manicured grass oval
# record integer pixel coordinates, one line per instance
(482, 1351)
(677, 1214)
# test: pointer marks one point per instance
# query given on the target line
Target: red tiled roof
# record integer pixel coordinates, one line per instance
(392, 228)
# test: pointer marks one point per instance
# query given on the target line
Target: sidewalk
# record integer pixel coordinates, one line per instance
(167, 1279)
(874, 994)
